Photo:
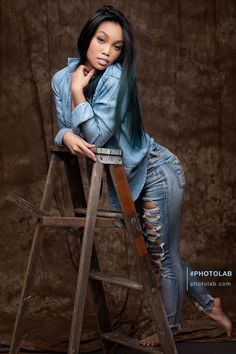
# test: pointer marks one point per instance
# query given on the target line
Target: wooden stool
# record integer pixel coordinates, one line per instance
(89, 217)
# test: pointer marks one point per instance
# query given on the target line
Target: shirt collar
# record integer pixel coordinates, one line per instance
(73, 63)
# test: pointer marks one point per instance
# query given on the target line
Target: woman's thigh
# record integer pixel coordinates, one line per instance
(162, 199)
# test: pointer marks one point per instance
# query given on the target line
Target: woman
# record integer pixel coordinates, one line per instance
(97, 105)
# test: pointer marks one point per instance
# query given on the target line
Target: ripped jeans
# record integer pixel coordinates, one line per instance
(164, 187)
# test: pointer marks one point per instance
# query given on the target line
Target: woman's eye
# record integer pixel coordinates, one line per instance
(117, 47)
(100, 40)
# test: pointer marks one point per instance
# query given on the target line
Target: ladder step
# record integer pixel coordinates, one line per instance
(129, 342)
(117, 280)
(72, 221)
(100, 212)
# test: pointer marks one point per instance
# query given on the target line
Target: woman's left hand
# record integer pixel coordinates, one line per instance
(77, 145)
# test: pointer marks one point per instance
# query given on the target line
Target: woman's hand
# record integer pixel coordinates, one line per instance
(81, 77)
(79, 80)
(77, 145)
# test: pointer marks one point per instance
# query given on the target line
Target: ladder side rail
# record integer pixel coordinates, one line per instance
(149, 279)
(95, 288)
(32, 261)
(85, 259)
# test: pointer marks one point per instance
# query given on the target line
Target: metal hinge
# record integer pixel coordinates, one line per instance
(108, 156)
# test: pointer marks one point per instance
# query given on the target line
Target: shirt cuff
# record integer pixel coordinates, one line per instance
(59, 137)
(81, 114)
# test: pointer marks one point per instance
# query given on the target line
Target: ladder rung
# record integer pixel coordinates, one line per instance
(115, 279)
(129, 342)
(66, 221)
(103, 213)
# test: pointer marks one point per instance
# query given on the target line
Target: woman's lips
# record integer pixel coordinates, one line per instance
(103, 62)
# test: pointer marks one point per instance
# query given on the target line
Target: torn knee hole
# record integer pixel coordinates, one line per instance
(151, 219)
(152, 233)
(149, 204)
(153, 227)
(150, 208)
(160, 249)
(151, 211)
(158, 252)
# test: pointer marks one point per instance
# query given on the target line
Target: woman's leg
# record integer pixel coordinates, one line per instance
(205, 302)
(162, 198)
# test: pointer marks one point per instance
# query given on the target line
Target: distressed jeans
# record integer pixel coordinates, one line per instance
(164, 187)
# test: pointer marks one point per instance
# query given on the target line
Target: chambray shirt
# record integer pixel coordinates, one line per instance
(94, 121)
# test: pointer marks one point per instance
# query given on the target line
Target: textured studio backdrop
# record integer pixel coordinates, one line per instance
(187, 85)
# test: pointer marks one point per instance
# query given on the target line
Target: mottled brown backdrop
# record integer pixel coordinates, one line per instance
(187, 84)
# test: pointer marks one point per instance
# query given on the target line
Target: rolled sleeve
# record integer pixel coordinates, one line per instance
(59, 136)
(81, 114)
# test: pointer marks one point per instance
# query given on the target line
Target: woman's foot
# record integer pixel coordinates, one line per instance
(150, 341)
(217, 314)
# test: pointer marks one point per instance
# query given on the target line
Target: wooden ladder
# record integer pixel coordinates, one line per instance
(88, 217)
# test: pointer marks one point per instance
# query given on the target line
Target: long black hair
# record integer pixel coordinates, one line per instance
(128, 61)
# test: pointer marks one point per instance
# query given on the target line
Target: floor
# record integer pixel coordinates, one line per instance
(192, 348)
(183, 348)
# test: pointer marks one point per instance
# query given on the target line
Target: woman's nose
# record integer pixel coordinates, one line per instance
(106, 50)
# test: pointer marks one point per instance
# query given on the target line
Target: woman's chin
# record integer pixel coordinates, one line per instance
(100, 67)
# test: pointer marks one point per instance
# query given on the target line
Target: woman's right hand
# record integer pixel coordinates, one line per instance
(81, 77)
(79, 80)
(77, 145)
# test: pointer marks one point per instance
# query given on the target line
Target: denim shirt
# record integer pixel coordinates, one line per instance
(94, 121)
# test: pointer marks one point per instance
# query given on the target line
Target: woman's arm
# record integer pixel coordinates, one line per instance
(60, 119)
(97, 123)
(65, 135)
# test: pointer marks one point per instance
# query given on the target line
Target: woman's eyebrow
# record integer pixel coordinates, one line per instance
(119, 41)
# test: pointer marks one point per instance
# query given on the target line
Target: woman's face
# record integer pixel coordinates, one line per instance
(105, 46)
